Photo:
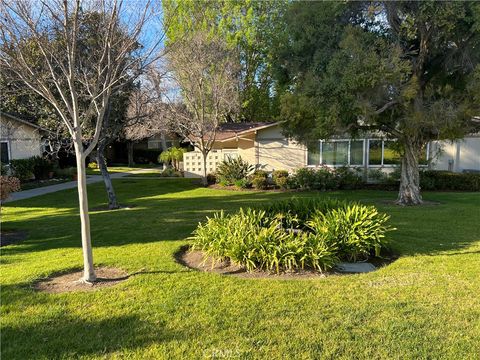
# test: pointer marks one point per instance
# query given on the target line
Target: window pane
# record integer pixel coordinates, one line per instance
(375, 152)
(4, 151)
(422, 160)
(313, 153)
(335, 152)
(390, 153)
(356, 152)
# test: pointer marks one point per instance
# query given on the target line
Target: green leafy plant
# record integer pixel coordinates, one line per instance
(294, 234)
(251, 239)
(444, 180)
(354, 229)
(280, 179)
(93, 165)
(243, 183)
(233, 169)
(172, 156)
(41, 167)
(171, 172)
(321, 179)
(349, 178)
(22, 169)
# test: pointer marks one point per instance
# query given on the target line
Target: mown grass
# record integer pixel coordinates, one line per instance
(424, 305)
(123, 168)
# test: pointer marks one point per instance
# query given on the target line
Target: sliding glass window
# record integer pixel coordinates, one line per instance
(391, 154)
(356, 152)
(375, 152)
(335, 153)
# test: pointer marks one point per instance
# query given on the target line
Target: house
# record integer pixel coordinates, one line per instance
(19, 138)
(264, 144)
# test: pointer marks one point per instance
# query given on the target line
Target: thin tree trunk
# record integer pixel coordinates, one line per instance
(163, 141)
(131, 163)
(204, 178)
(102, 164)
(409, 193)
(88, 270)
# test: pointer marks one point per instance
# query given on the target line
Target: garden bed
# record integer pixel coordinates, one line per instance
(197, 260)
(293, 235)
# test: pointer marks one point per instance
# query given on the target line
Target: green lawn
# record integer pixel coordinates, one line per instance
(424, 305)
(125, 168)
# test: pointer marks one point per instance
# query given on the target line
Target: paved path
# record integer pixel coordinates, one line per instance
(67, 185)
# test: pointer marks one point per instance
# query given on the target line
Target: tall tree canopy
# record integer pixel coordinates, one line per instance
(407, 69)
(250, 28)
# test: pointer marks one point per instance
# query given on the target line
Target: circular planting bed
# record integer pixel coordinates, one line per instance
(297, 237)
(70, 281)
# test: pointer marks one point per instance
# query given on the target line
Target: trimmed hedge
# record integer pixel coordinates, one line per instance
(444, 180)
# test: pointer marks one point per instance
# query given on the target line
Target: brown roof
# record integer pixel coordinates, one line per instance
(231, 130)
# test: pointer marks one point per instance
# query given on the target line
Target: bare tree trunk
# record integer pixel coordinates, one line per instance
(102, 164)
(409, 193)
(88, 270)
(204, 178)
(131, 163)
(163, 141)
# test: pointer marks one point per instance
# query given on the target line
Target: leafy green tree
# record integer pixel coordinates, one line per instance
(173, 155)
(250, 28)
(408, 70)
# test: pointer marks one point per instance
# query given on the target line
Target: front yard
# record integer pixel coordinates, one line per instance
(424, 305)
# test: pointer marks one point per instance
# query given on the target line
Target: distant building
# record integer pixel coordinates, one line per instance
(264, 144)
(19, 138)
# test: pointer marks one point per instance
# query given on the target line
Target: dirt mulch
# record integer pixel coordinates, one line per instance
(196, 260)
(69, 282)
(9, 237)
(425, 203)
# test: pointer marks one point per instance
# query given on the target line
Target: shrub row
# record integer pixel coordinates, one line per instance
(239, 173)
(444, 180)
(293, 235)
(35, 167)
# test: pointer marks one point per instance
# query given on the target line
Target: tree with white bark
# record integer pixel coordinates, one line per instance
(206, 71)
(42, 46)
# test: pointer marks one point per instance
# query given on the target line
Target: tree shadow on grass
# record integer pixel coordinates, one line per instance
(72, 337)
(163, 213)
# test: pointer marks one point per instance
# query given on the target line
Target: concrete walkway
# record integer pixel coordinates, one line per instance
(91, 179)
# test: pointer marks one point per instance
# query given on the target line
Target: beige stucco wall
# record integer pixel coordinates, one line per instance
(24, 141)
(275, 152)
(457, 156)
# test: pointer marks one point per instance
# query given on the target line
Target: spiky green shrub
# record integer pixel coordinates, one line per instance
(295, 212)
(251, 239)
(356, 230)
(233, 169)
(294, 234)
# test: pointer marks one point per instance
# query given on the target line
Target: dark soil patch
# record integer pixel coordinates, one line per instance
(69, 282)
(121, 207)
(196, 260)
(9, 237)
(425, 203)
